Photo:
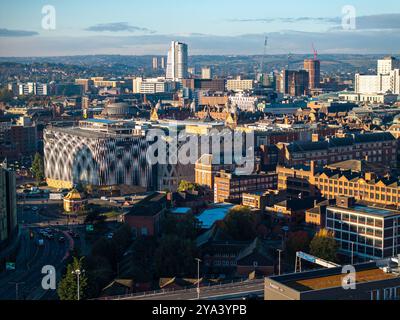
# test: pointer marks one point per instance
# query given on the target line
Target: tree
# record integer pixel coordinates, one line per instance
(68, 286)
(6, 95)
(38, 168)
(324, 245)
(122, 238)
(240, 224)
(175, 257)
(297, 241)
(186, 186)
(143, 252)
(186, 228)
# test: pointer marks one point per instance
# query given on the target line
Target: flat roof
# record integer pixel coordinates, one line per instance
(104, 121)
(369, 210)
(210, 216)
(333, 281)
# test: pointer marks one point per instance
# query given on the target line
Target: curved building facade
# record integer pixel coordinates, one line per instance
(73, 156)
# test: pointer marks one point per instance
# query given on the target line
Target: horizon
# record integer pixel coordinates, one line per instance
(37, 29)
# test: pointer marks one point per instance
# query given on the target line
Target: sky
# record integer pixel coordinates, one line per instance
(133, 27)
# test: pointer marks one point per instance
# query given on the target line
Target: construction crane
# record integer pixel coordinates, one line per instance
(315, 53)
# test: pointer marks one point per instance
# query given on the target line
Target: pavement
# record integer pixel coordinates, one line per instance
(232, 291)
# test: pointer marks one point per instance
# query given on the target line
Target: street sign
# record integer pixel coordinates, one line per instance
(10, 266)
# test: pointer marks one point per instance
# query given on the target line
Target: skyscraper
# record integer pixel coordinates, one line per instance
(313, 67)
(155, 63)
(177, 64)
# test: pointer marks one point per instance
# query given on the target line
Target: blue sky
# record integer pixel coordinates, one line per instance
(142, 27)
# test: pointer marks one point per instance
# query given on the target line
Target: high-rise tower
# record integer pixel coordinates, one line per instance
(177, 64)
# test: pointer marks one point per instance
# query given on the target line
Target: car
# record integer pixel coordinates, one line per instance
(75, 236)
(61, 239)
(35, 209)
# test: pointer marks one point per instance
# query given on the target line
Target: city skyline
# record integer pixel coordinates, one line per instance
(218, 28)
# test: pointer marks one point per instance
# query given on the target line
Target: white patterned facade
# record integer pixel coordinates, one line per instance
(74, 156)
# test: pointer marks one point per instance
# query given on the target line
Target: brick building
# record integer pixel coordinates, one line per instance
(229, 187)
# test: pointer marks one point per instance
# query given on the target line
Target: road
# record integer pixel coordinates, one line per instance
(231, 291)
(31, 258)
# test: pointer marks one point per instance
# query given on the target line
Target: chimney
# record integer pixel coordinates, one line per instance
(345, 202)
(312, 167)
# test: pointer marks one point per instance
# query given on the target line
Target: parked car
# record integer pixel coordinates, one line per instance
(61, 239)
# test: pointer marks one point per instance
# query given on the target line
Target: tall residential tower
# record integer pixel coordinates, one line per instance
(177, 64)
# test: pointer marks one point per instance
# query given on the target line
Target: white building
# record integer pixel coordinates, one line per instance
(32, 88)
(370, 98)
(206, 73)
(152, 85)
(177, 63)
(386, 80)
(244, 102)
(237, 85)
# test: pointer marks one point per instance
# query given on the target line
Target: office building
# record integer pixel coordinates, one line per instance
(206, 73)
(18, 141)
(206, 170)
(358, 179)
(375, 281)
(8, 204)
(152, 85)
(363, 230)
(177, 64)
(98, 152)
(229, 187)
(33, 88)
(239, 84)
(313, 67)
(216, 85)
(86, 83)
(387, 79)
(378, 147)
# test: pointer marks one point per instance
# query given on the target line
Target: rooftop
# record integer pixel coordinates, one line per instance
(324, 279)
(210, 216)
(333, 281)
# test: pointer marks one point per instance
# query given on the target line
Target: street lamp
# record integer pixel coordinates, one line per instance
(78, 273)
(198, 278)
(279, 266)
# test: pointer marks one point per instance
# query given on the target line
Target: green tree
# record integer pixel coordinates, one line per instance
(6, 95)
(186, 186)
(324, 245)
(38, 168)
(123, 238)
(175, 257)
(68, 286)
(186, 228)
(240, 224)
